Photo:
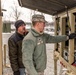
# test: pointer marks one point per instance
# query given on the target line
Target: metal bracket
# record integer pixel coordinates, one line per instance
(1, 14)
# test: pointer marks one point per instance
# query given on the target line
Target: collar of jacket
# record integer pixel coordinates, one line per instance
(35, 33)
(20, 35)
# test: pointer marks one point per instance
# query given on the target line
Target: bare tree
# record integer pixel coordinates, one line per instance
(15, 11)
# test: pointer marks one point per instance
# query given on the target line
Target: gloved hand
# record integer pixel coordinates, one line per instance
(17, 73)
(72, 36)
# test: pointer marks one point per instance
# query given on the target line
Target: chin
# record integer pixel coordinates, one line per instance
(41, 31)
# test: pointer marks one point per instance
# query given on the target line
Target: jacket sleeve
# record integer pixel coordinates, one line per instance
(55, 39)
(13, 55)
(27, 56)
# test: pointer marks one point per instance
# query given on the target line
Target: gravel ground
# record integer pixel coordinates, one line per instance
(50, 62)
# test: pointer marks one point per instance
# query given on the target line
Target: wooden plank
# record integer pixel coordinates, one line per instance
(71, 42)
(55, 65)
(4, 55)
(55, 47)
(62, 28)
(0, 41)
(65, 63)
(63, 14)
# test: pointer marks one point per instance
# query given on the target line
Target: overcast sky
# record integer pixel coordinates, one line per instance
(26, 13)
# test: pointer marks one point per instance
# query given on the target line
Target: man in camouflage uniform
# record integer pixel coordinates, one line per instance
(34, 46)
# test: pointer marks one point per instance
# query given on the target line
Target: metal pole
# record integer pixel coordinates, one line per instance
(0, 40)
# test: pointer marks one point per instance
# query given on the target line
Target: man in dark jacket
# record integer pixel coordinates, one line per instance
(15, 46)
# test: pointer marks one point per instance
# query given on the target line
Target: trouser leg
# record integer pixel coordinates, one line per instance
(40, 73)
(22, 71)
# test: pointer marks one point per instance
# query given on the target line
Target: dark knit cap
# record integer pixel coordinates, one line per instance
(38, 17)
(18, 23)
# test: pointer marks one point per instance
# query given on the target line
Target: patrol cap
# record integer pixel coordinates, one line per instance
(37, 18)
(18, 23)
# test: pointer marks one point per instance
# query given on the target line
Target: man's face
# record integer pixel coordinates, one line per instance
(41, 26)
(22, 29)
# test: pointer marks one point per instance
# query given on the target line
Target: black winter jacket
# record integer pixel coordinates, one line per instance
(15, 53)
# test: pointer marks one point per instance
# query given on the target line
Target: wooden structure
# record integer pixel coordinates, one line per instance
(51, 7)
(64, 52)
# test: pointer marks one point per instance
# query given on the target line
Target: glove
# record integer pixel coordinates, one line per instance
(17, 73)
(72, 36)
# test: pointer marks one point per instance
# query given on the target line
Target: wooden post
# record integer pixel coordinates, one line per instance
(0, 40)
(55, 66)
(71, 42)
(62, 28)
(4, 55)
(55, 47)
(56, 22)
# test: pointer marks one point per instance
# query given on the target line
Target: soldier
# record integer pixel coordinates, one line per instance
(34, 46)
(15, 47)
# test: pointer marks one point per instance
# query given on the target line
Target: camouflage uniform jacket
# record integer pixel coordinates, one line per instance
(34, 50)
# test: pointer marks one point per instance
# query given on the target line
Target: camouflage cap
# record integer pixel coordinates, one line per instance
(38, 17)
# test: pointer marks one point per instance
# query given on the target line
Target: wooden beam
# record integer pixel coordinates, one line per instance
(0, 41)
(65, 63)
(55, 47)
(62, 30)
(71, 42)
